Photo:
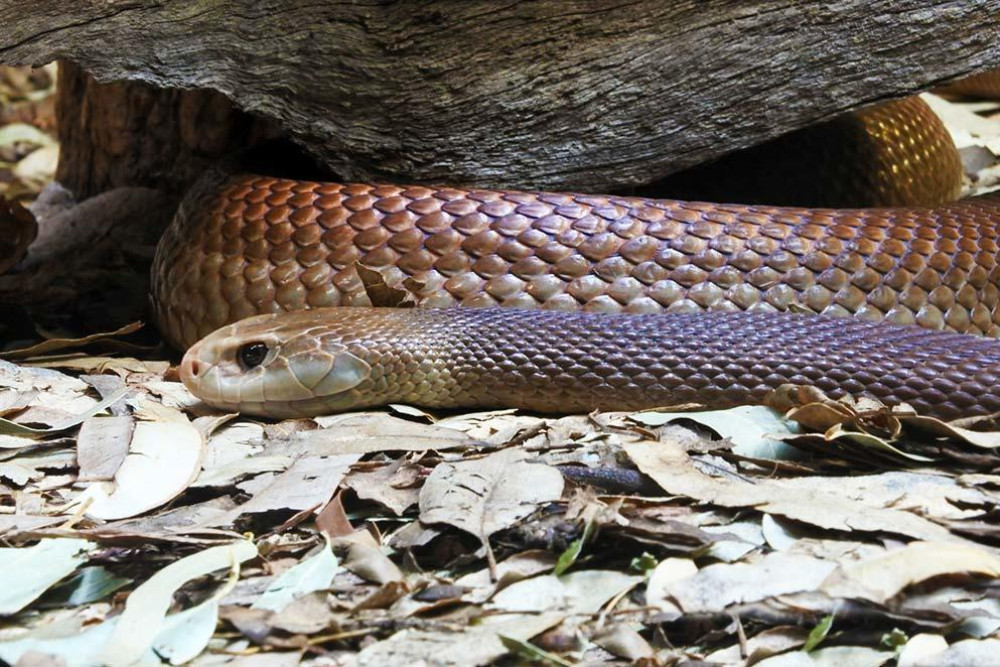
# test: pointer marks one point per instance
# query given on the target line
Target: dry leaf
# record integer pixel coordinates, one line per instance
(366, 559)
(623, 641)
(314, 573)
(163, 459)
(880, 578)
(985, 439)
(57, 344)
(365, 433)
(666, 573)
(147, 606)
(471, 646)
(29, 572)
(715, 587)
(102, 445)
(581, 592)
(394, 485)
(488, 494)
(811, 500)
(919, 648)
(308, 484)
(762, 645)
(516, 568)
(379, 292)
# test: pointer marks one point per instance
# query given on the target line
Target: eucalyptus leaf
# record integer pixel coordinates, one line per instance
(26, 573)
(315, 573)
(756, 431)
(89, 584)
(8, 427)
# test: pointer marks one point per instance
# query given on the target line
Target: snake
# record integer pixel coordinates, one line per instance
(581, 301)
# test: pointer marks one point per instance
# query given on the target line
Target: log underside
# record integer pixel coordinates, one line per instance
(554, 94)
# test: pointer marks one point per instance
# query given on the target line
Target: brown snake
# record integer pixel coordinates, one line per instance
(246, 244)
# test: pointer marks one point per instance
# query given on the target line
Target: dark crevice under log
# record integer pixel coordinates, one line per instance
(561, 94)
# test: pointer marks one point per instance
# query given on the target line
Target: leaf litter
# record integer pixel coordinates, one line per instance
(141, 528)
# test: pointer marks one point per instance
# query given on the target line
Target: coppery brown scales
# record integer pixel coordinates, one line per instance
(263, 244)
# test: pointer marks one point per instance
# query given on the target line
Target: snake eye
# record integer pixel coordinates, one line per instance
(251, 355)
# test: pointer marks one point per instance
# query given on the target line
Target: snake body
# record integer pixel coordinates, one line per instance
(243, 245)
(333, 359)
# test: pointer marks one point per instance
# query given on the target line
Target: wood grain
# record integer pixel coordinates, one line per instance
(559, 94)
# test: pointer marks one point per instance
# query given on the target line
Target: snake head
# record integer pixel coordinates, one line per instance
(273, 366)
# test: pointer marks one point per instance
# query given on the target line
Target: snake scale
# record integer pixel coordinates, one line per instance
(602, 296)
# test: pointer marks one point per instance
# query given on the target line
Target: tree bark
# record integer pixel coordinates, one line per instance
(130, 133)
(562, 94)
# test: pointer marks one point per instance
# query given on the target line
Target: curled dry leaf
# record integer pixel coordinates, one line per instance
(163, 459)
(366, 559)
(984, 439)
(63, 423)
(57, 344)
(882, 577)
(380, 293)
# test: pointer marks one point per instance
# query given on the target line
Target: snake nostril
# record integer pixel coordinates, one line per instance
(190, 368)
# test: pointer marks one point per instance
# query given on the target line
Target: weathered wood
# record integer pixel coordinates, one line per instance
(129, 133)
(586, 94)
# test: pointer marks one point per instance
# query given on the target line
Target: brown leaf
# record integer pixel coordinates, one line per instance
(332, 519)
(985, 439)
(308, 484)
(102, 446)
(380, 293)
(396, 486)
(57, 344)
(485, 495)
